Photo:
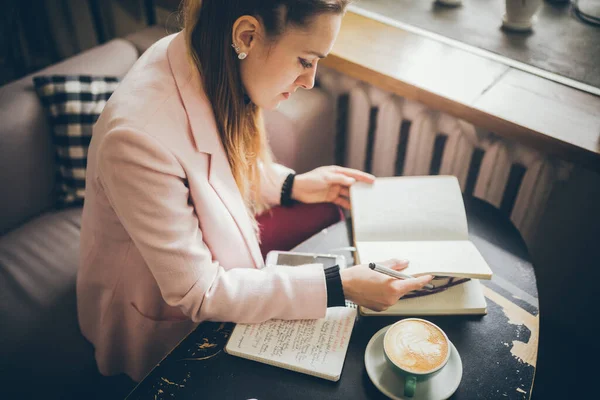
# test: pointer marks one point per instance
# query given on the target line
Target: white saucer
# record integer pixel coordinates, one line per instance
(440, 386)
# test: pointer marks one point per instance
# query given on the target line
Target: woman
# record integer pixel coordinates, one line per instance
(177, 169)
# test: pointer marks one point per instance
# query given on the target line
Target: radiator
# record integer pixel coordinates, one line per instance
(387, 135)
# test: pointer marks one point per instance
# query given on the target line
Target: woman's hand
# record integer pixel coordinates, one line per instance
(329, 184)
(375, 290)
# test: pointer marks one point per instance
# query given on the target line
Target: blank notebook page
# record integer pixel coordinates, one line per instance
(447, 258)
(409, 208)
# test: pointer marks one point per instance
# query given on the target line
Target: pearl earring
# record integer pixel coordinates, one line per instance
(241, 55)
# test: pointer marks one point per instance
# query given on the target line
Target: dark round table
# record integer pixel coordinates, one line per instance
(498, 350)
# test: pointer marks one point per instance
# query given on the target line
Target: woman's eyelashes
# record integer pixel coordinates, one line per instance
(305, 64)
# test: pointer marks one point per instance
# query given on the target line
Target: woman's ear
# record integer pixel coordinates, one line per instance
(244, 33)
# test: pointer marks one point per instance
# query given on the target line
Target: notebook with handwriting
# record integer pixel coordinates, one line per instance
(315, 347)
(421, 219)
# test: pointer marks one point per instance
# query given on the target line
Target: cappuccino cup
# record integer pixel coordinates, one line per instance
(416, 349)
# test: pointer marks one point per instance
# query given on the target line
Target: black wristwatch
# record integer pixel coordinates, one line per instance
(286, 191)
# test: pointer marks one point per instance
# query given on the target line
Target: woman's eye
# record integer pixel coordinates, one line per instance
(305, 64)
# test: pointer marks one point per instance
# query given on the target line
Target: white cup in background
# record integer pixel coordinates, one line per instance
(520, 14)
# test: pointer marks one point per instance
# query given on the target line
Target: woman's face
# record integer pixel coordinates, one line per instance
(273, 71)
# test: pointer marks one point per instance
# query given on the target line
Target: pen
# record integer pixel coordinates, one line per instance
(394, 274)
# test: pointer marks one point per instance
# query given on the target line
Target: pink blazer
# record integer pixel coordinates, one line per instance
(166, 241)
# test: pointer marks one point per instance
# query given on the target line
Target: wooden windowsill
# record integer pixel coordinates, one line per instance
(551, 117)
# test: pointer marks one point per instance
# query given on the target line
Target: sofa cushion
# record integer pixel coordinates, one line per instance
(146, 37)
(73, 104)
(26, 153)
(40, 334)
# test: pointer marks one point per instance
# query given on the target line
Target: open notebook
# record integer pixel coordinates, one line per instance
(314, 347)
(421, 219)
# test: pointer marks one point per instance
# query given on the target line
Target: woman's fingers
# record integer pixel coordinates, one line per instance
(344, 191)
(356, 174)
(400, 265)
(404, 286)
(341, 179)
(342, 202)
(395, 264)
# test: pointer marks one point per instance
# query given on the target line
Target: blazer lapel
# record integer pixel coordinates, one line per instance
(206, 138)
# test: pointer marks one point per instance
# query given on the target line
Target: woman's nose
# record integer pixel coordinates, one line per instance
(307, 79)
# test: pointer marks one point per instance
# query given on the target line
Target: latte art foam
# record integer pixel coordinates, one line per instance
(416, 346)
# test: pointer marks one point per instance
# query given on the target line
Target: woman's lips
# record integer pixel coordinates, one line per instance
(286, 95)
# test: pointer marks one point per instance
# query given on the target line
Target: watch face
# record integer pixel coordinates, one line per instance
(301, 259)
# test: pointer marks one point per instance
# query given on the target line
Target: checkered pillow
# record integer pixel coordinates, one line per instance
(73, 104)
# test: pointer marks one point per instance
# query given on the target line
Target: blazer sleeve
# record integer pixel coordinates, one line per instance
(271, 181)
(147, 188)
